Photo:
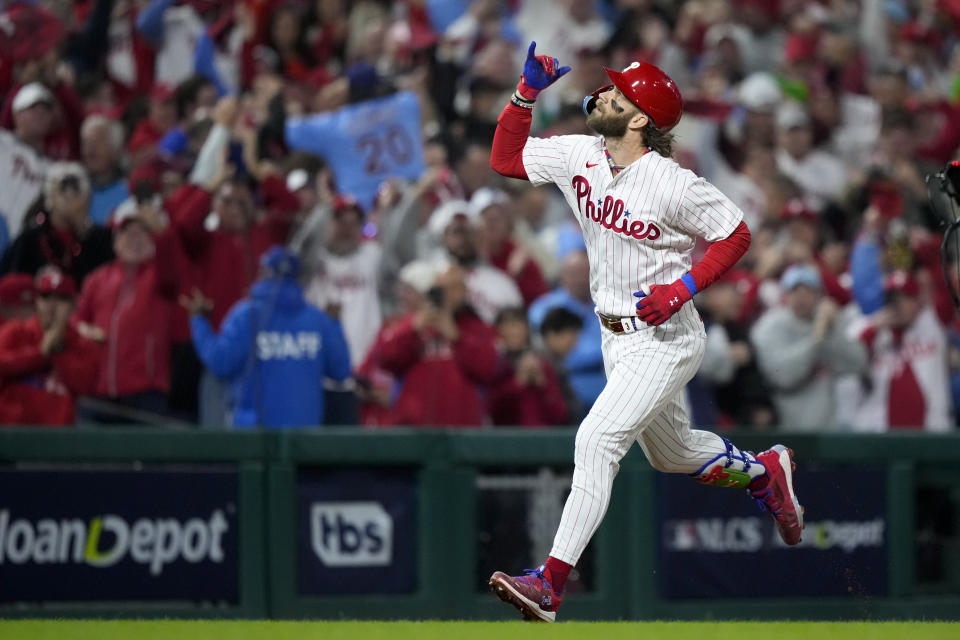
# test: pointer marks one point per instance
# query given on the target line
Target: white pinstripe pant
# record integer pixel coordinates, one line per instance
(643, 401)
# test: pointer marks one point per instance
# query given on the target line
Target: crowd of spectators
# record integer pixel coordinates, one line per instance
(281, 212)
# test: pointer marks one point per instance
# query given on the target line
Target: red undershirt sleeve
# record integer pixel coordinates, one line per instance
(513, 129)
(720, 257)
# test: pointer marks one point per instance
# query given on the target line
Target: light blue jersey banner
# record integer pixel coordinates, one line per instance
(364, 143)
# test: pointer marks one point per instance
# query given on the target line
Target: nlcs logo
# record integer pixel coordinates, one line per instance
(351, 534)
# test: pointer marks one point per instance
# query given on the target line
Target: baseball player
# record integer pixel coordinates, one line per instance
(640, 213)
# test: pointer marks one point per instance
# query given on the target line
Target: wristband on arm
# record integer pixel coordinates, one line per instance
(518, 100)
(687, 279)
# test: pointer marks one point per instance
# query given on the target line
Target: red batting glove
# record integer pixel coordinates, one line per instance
(664, 301)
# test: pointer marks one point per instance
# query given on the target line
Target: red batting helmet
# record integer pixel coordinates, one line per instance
(646, 86)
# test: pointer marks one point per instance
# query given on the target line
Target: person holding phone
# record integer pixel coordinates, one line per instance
(444, 355)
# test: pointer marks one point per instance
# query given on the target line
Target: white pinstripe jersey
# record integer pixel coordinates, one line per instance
(22, 171)
(640, 227)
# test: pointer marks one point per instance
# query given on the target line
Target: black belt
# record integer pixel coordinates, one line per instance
(628, 324)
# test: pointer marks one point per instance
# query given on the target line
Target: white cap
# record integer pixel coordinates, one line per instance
(760, 92)
(443, 215)
(485, 197)
(791, 114)
(800, 274)
(58, 172)
(725, 30)
(31, 94)
(124, 211)
(297, 179)
(129, 210)
(419, 274)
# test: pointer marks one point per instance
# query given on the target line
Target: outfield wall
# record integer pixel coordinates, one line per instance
(343, 523)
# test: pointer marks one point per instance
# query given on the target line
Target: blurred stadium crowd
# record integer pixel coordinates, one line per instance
(156, 155)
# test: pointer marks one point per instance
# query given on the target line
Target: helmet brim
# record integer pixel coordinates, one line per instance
(590, 101)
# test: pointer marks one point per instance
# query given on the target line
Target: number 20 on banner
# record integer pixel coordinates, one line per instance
(384, 150)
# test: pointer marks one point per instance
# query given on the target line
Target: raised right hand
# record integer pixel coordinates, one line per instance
(823, 317)
(52, 341)
(225, 111)
(539, 72)
(196, 304)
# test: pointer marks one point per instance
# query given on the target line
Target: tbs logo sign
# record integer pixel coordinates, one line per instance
(351, 534)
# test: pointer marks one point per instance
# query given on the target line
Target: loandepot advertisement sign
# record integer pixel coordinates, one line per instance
(709, 536)
(118, 535)
(152, 543)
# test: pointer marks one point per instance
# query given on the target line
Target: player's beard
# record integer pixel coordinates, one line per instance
(612, 125)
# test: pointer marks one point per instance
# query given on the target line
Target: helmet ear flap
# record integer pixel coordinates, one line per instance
(590, 101)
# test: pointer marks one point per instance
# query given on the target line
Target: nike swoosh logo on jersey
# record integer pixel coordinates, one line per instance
(591, 165)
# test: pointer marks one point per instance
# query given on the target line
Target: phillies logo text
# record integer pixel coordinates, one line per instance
(611, 213)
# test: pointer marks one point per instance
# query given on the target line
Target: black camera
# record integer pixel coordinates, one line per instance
(143, 191)
(951, 175)
(948, 180)
(436, 296)
(70, 182)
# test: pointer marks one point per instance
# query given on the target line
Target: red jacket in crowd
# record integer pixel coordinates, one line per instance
(134, 309)
(529, 279)
(441, 381)
(223, 264)
(375, 386)
(40, 389)
(526, 405)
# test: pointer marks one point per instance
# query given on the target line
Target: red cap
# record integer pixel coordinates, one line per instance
(29, 32)
(345, 201)
(748, 286)
(144, 135)
(111, 112)
(203, 6)
(276, 197)
(796, 209)
(886, 197)
(770, 7)
(51, 281)
(421, 37)
(16, 289)
(915, 31)
(319, 78)
(161, 92)
(951, 7)
(653, 91)
(901, 282)
(147, 173)
(800, 46)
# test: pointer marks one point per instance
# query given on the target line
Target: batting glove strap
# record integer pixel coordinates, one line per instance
(663, 301)
(526, 92)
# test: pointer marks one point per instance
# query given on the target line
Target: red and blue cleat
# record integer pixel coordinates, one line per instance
(530, 593)
(774, 493)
